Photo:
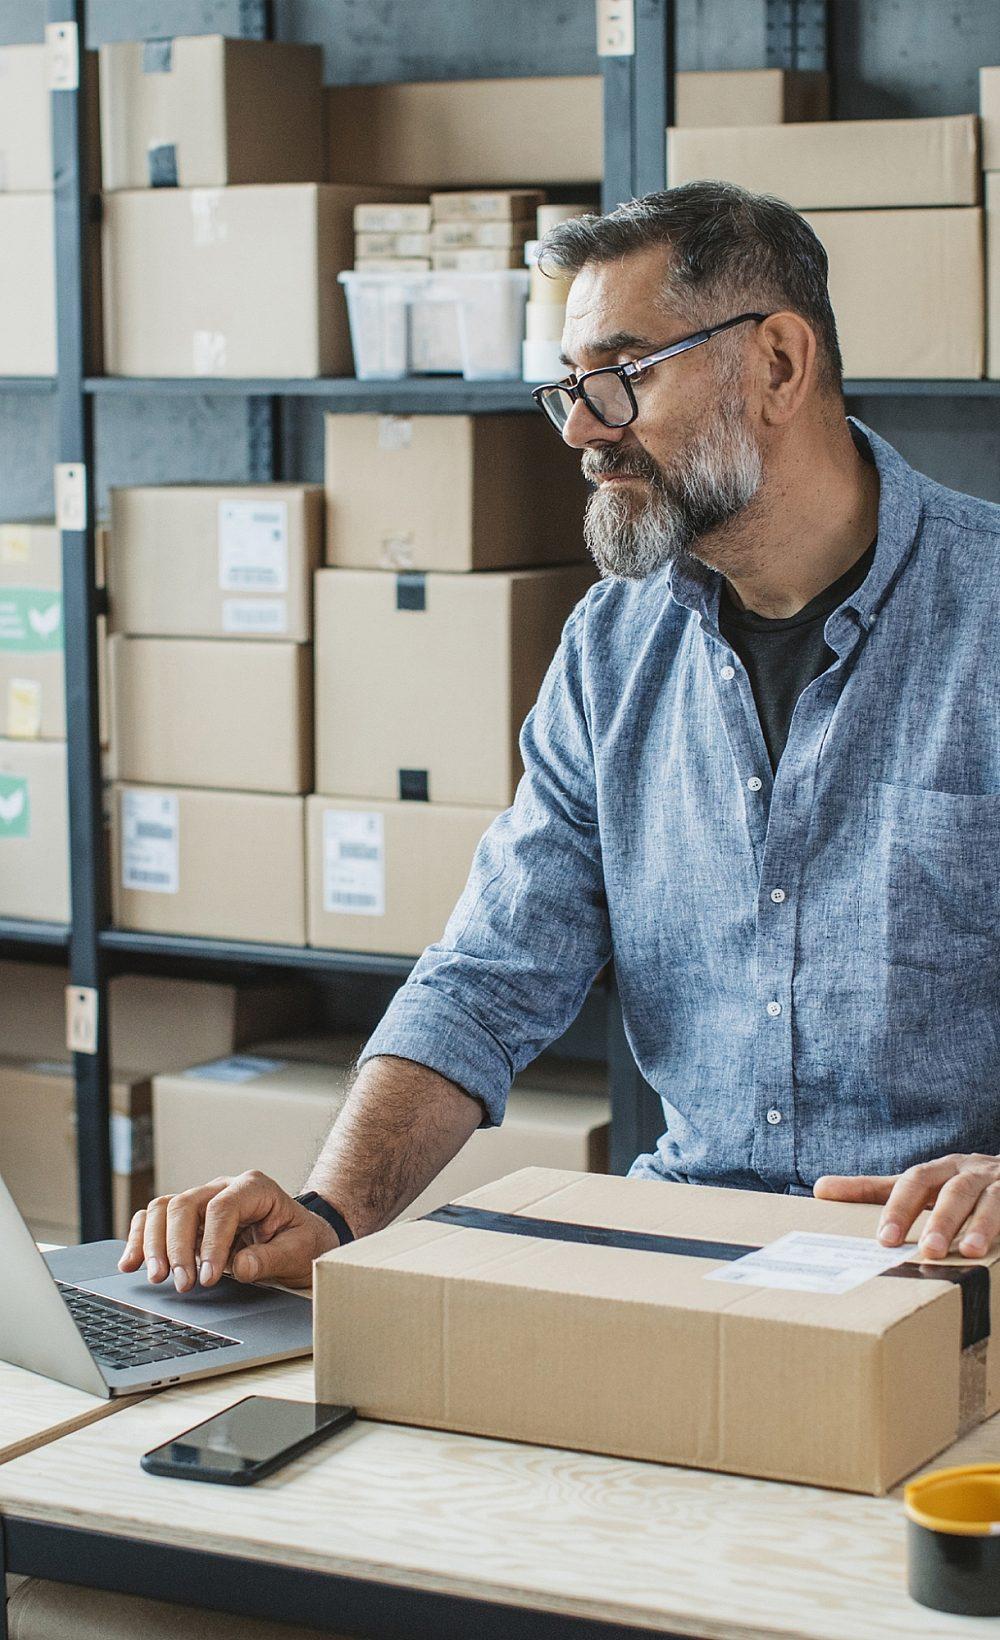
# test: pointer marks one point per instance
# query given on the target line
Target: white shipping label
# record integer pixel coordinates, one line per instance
(253, 546)
(249, 616)
(151, 842)
(354, 862)
(237, 1068)
(395, 432)
(131, 1143)
(208, 352)
(804, 1263)
(208, 225)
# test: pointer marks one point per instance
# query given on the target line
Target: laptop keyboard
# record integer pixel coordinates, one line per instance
(118, 1335)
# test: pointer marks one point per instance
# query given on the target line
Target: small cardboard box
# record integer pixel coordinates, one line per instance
(32, 687)
(992, 181)
(435, 493)
(38, 1145)
(215, 561)
(838, 164)
(206, 112)
(625, 1345)
(989, 117)
(205, 712)
(230, 282)
(907, 290)
(156, 1024)
(389, 650)
(27, 285)
(34, 830)
(386, 876)
(223, 865)
(754, 96)
(26, 120)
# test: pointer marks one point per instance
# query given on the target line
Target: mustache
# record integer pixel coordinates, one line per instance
(624, 463)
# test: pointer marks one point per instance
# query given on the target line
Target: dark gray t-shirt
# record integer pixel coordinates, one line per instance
(783, 656)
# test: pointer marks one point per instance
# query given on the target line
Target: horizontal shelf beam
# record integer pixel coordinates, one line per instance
(123, 943)
(413, 395)
(22, 931)
(27, 384)
(857, 387)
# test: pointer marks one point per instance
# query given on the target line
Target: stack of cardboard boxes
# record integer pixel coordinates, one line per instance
(433, 632)
(392, 238)
(211, 604)
(545, 312)
(989, 110)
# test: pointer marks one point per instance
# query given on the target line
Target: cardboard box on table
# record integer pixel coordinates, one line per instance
(838, 164)
(635, 1353)
(390, 721)
(231, 282)
(34, 830)
(39, 1149)
(206, 712)
(219, 864)
(450, 493)
(156, 1024)
(203, 111)
(907, 290)
(215, 561)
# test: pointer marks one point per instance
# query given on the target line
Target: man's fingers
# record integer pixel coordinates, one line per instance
(914, 1190)
(252, 1199)
(956, 1200)
(132, 1256)
(185, 1212)
(154, 1239)
(834, 1188)
(287, 1257)
(983, 1225)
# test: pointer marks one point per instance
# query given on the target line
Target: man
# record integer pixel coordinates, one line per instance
(763, 774)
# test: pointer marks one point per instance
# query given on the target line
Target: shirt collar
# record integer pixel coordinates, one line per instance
(697, 588)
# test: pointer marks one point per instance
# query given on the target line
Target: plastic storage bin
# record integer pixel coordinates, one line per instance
(424, 324)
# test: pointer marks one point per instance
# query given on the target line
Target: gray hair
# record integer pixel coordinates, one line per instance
(730, 251)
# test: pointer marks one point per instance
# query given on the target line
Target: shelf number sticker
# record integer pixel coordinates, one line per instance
(253, 546)
(616, 28)
(354, 862)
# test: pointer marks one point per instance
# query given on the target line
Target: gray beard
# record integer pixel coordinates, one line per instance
(715, 479)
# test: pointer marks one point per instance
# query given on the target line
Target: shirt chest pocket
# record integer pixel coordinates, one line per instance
(930, 882)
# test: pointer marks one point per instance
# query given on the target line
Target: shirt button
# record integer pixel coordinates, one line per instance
(777, 895)
(755, 783)
(728, 672)
(774, 1117)
(774, 1009)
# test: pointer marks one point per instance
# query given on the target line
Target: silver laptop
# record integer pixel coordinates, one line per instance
(72, 1315)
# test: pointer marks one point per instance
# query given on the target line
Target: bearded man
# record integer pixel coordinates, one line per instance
(762, 776)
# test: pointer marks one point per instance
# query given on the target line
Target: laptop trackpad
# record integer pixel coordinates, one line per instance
(212, 1307)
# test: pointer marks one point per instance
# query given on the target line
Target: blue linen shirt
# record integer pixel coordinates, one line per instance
(808, 962)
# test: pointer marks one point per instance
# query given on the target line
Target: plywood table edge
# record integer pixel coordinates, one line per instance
(67, 1426)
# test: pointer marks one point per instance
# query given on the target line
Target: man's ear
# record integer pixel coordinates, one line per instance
(788, 363)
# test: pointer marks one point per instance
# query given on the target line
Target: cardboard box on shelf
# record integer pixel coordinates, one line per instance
(392, 264)
(496, 205)
(907, 290)
(392, 218)
(228, 281)
(27, 286)
(825, 1384)
(156, 1024)
(34, 830)
(37, 1098)
(26, 120)
(207, 112)
(462, 235)
(385, 876)
(475, 259)
(220, 865)
(241, 1112)
(755, 96)
(32, 690)
(215, 561)
(993, 273)
(205, 712)
(392, 244)
(388, 652)
(989, 117)
(450, 493)
(838, 164)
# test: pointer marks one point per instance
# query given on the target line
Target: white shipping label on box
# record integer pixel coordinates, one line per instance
(395, 432)
(131, 1143)
(255, 616)
(354, 862)
(253, 546)
(805, 1263)
(237, 1068)
(151, 842)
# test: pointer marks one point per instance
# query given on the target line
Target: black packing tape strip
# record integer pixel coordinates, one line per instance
(973, 1282)
(158, 56)
(411, 590)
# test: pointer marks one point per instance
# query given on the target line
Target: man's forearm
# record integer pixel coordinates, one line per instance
(401, 1124)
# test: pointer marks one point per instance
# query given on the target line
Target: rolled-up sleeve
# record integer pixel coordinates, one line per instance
(530, 931)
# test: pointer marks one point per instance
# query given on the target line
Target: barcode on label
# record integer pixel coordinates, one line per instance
(150, 841)
(354, 862)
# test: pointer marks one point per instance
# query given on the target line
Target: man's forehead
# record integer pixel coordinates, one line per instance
(622, 301)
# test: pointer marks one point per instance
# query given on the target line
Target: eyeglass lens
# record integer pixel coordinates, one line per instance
(607, 396)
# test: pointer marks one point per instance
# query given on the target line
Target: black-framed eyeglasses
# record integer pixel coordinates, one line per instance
(608, 392)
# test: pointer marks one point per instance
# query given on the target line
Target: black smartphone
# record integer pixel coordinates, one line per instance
(250, 1439)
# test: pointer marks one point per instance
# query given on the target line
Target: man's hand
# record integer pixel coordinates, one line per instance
(248, 1222)
(964, 1192)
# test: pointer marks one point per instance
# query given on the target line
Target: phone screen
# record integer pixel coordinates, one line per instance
(253, 1432)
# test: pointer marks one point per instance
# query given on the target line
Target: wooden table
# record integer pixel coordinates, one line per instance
(391, 1531)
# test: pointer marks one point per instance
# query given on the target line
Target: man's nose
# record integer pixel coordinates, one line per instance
(583, 430)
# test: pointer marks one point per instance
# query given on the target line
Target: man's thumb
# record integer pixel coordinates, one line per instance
(287, 1257)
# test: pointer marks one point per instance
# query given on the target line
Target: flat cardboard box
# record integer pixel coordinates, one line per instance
(215, 561)
(205, 712)
(34, 830)
(907, 290)
(634, 1353)
(389, 650)
(438, 493)
(27, 286)
(38, 1143)
(992, 181)
(207, 112)
(755, 96)
(221, 865)
(838, 164)
(989, 117)
(231, 282)
(498, 205)
(26, 120)
(386, 876)
(156, 1024)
